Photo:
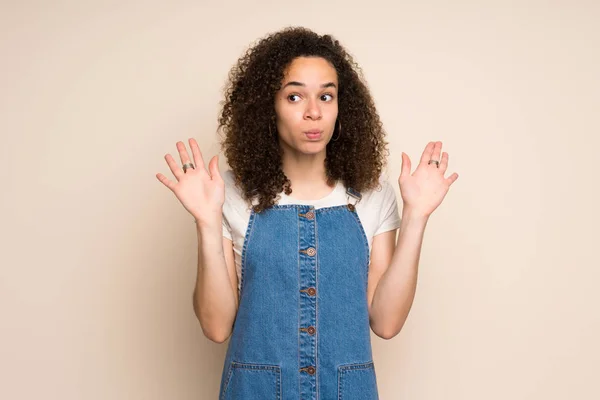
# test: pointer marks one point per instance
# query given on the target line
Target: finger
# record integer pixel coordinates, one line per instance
(437, 149)
(426, 156)
(174, 167)
(165, 181)
(197, 154)
(213, 166)
(444, 163)
(452, 178)
(183, 154)
(405, 167)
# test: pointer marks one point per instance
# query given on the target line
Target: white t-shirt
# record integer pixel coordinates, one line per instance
(377, 211)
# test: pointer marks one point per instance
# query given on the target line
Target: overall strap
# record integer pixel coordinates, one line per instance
(354, 194)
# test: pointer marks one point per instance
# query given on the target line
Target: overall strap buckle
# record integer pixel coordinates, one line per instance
(355, 195)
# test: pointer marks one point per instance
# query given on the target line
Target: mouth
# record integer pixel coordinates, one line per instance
(314, 134)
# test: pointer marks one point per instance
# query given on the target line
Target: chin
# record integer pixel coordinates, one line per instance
(307, 148)
(315, 150)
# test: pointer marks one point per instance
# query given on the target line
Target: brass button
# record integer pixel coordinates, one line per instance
(311, 370)
(310, 330)
(351, 207)
(311, 251)
(311, 291)
(310, 215)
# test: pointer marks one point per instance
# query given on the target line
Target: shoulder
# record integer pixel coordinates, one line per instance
(231, 189)
(228, 178)
(234, 200)
(383, 194)
(378, 208)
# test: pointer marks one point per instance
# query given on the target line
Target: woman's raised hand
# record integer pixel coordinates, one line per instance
(201, 192)
(423, 190)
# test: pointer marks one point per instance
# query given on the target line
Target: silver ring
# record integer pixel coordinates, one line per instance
(188, 165)
(437, 163)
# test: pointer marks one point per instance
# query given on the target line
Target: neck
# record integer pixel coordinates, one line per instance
(302, 169)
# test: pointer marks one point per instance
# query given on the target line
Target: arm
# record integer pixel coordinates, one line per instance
(395, 265)
(202, 193)
(215, 295)
(393, 275)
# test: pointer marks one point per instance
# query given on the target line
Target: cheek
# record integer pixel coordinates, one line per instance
(285, 123)
(289, 116)
(332, 110)
(333, 115)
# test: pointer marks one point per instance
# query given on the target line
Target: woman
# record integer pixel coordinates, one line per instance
(297, 251)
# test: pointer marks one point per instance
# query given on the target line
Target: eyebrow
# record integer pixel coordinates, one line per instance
(295, 83)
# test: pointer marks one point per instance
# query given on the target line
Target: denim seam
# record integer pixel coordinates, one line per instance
(356, 219)
(342, 369)
(299, 307)
(276, 369)
(229, 373)
(244, 365)
(244, 248)
(284, 207)
(355, 366)
(316, 337)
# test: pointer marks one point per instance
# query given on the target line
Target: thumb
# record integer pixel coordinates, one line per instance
(213, 167)
(405, 167)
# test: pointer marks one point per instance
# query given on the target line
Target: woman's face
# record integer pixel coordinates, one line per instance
(307, 105)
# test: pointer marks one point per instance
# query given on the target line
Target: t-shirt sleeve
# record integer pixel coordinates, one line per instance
(389, 217)
(228, 180)
(226, 226)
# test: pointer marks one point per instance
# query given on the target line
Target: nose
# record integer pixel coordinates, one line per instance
(313, 110)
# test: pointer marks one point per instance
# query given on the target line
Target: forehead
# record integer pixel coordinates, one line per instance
(310, 70)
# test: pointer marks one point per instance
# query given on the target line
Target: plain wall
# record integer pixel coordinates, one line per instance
(98, 258)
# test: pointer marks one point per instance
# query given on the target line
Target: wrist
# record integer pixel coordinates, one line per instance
(208, 219)
(411, 214)
(208, 227)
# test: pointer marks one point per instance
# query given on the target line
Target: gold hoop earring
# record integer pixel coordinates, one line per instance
(339, 131)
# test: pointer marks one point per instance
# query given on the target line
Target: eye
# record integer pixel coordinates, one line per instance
(327, 97)
(291, 97)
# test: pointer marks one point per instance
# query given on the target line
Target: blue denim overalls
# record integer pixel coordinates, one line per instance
(302, 328)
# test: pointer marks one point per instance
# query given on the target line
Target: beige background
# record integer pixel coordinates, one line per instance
(98, 258)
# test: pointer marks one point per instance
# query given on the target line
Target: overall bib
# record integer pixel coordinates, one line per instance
(302, 328)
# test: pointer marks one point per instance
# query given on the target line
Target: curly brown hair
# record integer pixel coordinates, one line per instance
(248, 117)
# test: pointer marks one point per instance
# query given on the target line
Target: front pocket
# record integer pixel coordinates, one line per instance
(252, 381)
(357, 382)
